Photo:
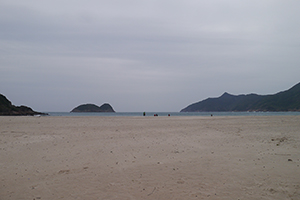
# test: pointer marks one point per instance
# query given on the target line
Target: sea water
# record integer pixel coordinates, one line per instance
(172, 113)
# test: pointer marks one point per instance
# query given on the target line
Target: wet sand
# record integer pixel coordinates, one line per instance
(150, 157)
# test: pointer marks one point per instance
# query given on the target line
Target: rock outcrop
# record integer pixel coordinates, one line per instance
(6, 108)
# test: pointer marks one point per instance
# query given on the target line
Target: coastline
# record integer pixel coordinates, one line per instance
(177, 157)
(130, 114)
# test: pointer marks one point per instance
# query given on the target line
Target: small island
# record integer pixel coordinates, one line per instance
(7, 108)
(93, 108)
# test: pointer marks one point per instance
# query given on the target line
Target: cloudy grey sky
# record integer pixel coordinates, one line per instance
(145, 55)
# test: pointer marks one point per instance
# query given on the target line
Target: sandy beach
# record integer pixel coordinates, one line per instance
(150, 157)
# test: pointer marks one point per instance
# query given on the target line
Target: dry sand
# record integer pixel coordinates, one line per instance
(150, 157)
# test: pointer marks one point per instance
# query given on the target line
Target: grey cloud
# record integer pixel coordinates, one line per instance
(139, 55)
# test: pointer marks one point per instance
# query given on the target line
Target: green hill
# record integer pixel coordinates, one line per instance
(288, 100)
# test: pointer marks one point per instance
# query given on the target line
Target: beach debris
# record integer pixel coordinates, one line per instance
(279, 140)
(152, 191)
(64, 171)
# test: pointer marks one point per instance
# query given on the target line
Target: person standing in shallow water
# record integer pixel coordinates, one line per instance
(144, 113)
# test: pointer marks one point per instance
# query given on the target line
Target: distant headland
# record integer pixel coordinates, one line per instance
(6, 108)
(288, 100)
(93, 108)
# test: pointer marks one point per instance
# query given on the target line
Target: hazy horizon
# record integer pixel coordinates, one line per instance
(155, 110)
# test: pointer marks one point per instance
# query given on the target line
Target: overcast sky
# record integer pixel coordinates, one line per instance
(145, 55)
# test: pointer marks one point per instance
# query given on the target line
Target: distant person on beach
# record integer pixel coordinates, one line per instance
(144, 113)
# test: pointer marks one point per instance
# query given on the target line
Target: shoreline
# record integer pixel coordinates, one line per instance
(149, 114)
